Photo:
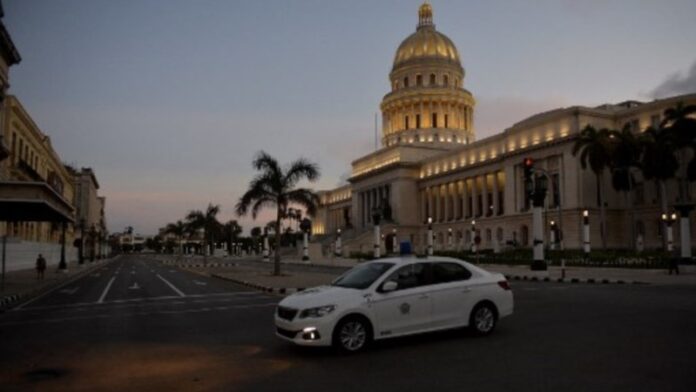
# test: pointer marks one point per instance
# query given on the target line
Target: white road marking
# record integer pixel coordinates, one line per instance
(120, 315)
(106, 290)
(134, 287)
(69, 291)
(172, 271)
(171, 286)
(198, 282)
(247, 294)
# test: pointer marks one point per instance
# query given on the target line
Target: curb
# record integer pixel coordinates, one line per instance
(265, 289)
(572, 280)
(8, 301)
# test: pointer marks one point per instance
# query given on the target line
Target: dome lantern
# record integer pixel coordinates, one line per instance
(425, 16)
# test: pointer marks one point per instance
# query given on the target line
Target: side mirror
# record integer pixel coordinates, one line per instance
(388, 286)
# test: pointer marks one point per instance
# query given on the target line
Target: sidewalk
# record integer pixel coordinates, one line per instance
(298, 275)
(22, 284)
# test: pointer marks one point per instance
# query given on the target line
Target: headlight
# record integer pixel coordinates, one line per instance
(319, 311)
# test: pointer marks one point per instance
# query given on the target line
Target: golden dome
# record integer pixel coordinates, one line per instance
(426, 42)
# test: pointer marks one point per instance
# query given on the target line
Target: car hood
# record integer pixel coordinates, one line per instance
(320, 296)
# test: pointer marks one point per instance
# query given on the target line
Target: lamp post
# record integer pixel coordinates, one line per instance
(305, 246)
(376, 217)
(449, 238)
(339, 251)
(265, 245)
(586, 233)
(430, 237)
(669, 219)
(395, 242)
(473, 236)
(552, 235)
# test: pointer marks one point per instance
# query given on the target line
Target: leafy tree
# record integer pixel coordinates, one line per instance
(275, 186)
(595, 151)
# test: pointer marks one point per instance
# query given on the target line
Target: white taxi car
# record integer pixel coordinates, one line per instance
(394, 297)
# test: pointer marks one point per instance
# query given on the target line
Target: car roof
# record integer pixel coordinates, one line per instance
(398, 260)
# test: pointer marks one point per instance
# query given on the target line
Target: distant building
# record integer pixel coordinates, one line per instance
(90, 221)
(431, 165)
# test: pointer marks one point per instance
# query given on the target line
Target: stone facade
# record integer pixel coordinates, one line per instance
(437, 170)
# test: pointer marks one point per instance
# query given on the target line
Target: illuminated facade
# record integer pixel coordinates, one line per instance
(431, 165)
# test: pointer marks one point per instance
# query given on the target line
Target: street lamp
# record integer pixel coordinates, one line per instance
(473, 236)
(265, 245)
(449, 238)
(552, 235)
(430, 236)
(669, 219)
(376, 217)
(586, 233)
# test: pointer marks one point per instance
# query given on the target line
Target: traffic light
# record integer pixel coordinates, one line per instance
(528, 165)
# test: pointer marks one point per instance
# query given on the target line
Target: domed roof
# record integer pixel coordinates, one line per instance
(426, 42)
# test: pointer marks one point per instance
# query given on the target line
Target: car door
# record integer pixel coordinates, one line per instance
(406, 309)
(451, 293)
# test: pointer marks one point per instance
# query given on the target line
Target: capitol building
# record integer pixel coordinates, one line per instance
(431, 165)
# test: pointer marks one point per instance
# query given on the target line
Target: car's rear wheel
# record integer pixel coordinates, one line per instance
(352, 334)
(483, 319)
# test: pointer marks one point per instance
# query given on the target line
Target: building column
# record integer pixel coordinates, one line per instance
(496, 201)
(474, 197)
(446, 217)
(442, 203)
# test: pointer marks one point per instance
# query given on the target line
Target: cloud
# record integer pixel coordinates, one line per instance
(677, 84)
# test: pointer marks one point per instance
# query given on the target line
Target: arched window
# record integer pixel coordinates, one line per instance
(434, 120)
(432, 79)
(406, 122)
(406, 81)
(446, 121)
(489, 236)
(419, 80)
(418, 122)
(445, 80)
(456, 82)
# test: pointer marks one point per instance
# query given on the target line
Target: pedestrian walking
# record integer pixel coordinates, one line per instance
(40, 267)
(673, 265)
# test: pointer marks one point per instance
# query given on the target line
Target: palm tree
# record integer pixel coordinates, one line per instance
(275, 186)
(680, 123)
(595, 150)
(178, 230)
(625, 158)
(230, 231)
(206, 221)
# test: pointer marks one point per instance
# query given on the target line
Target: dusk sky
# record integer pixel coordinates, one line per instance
(169, 100)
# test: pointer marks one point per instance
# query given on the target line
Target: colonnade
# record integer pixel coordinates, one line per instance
(472, 197)
(370, 198)
(454, 115)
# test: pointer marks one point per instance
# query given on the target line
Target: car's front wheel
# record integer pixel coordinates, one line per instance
(352, 334)
(483, 319)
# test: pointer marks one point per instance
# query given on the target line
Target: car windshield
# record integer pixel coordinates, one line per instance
(362, 276)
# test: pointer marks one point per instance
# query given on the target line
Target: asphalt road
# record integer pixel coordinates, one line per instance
(137, 325)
